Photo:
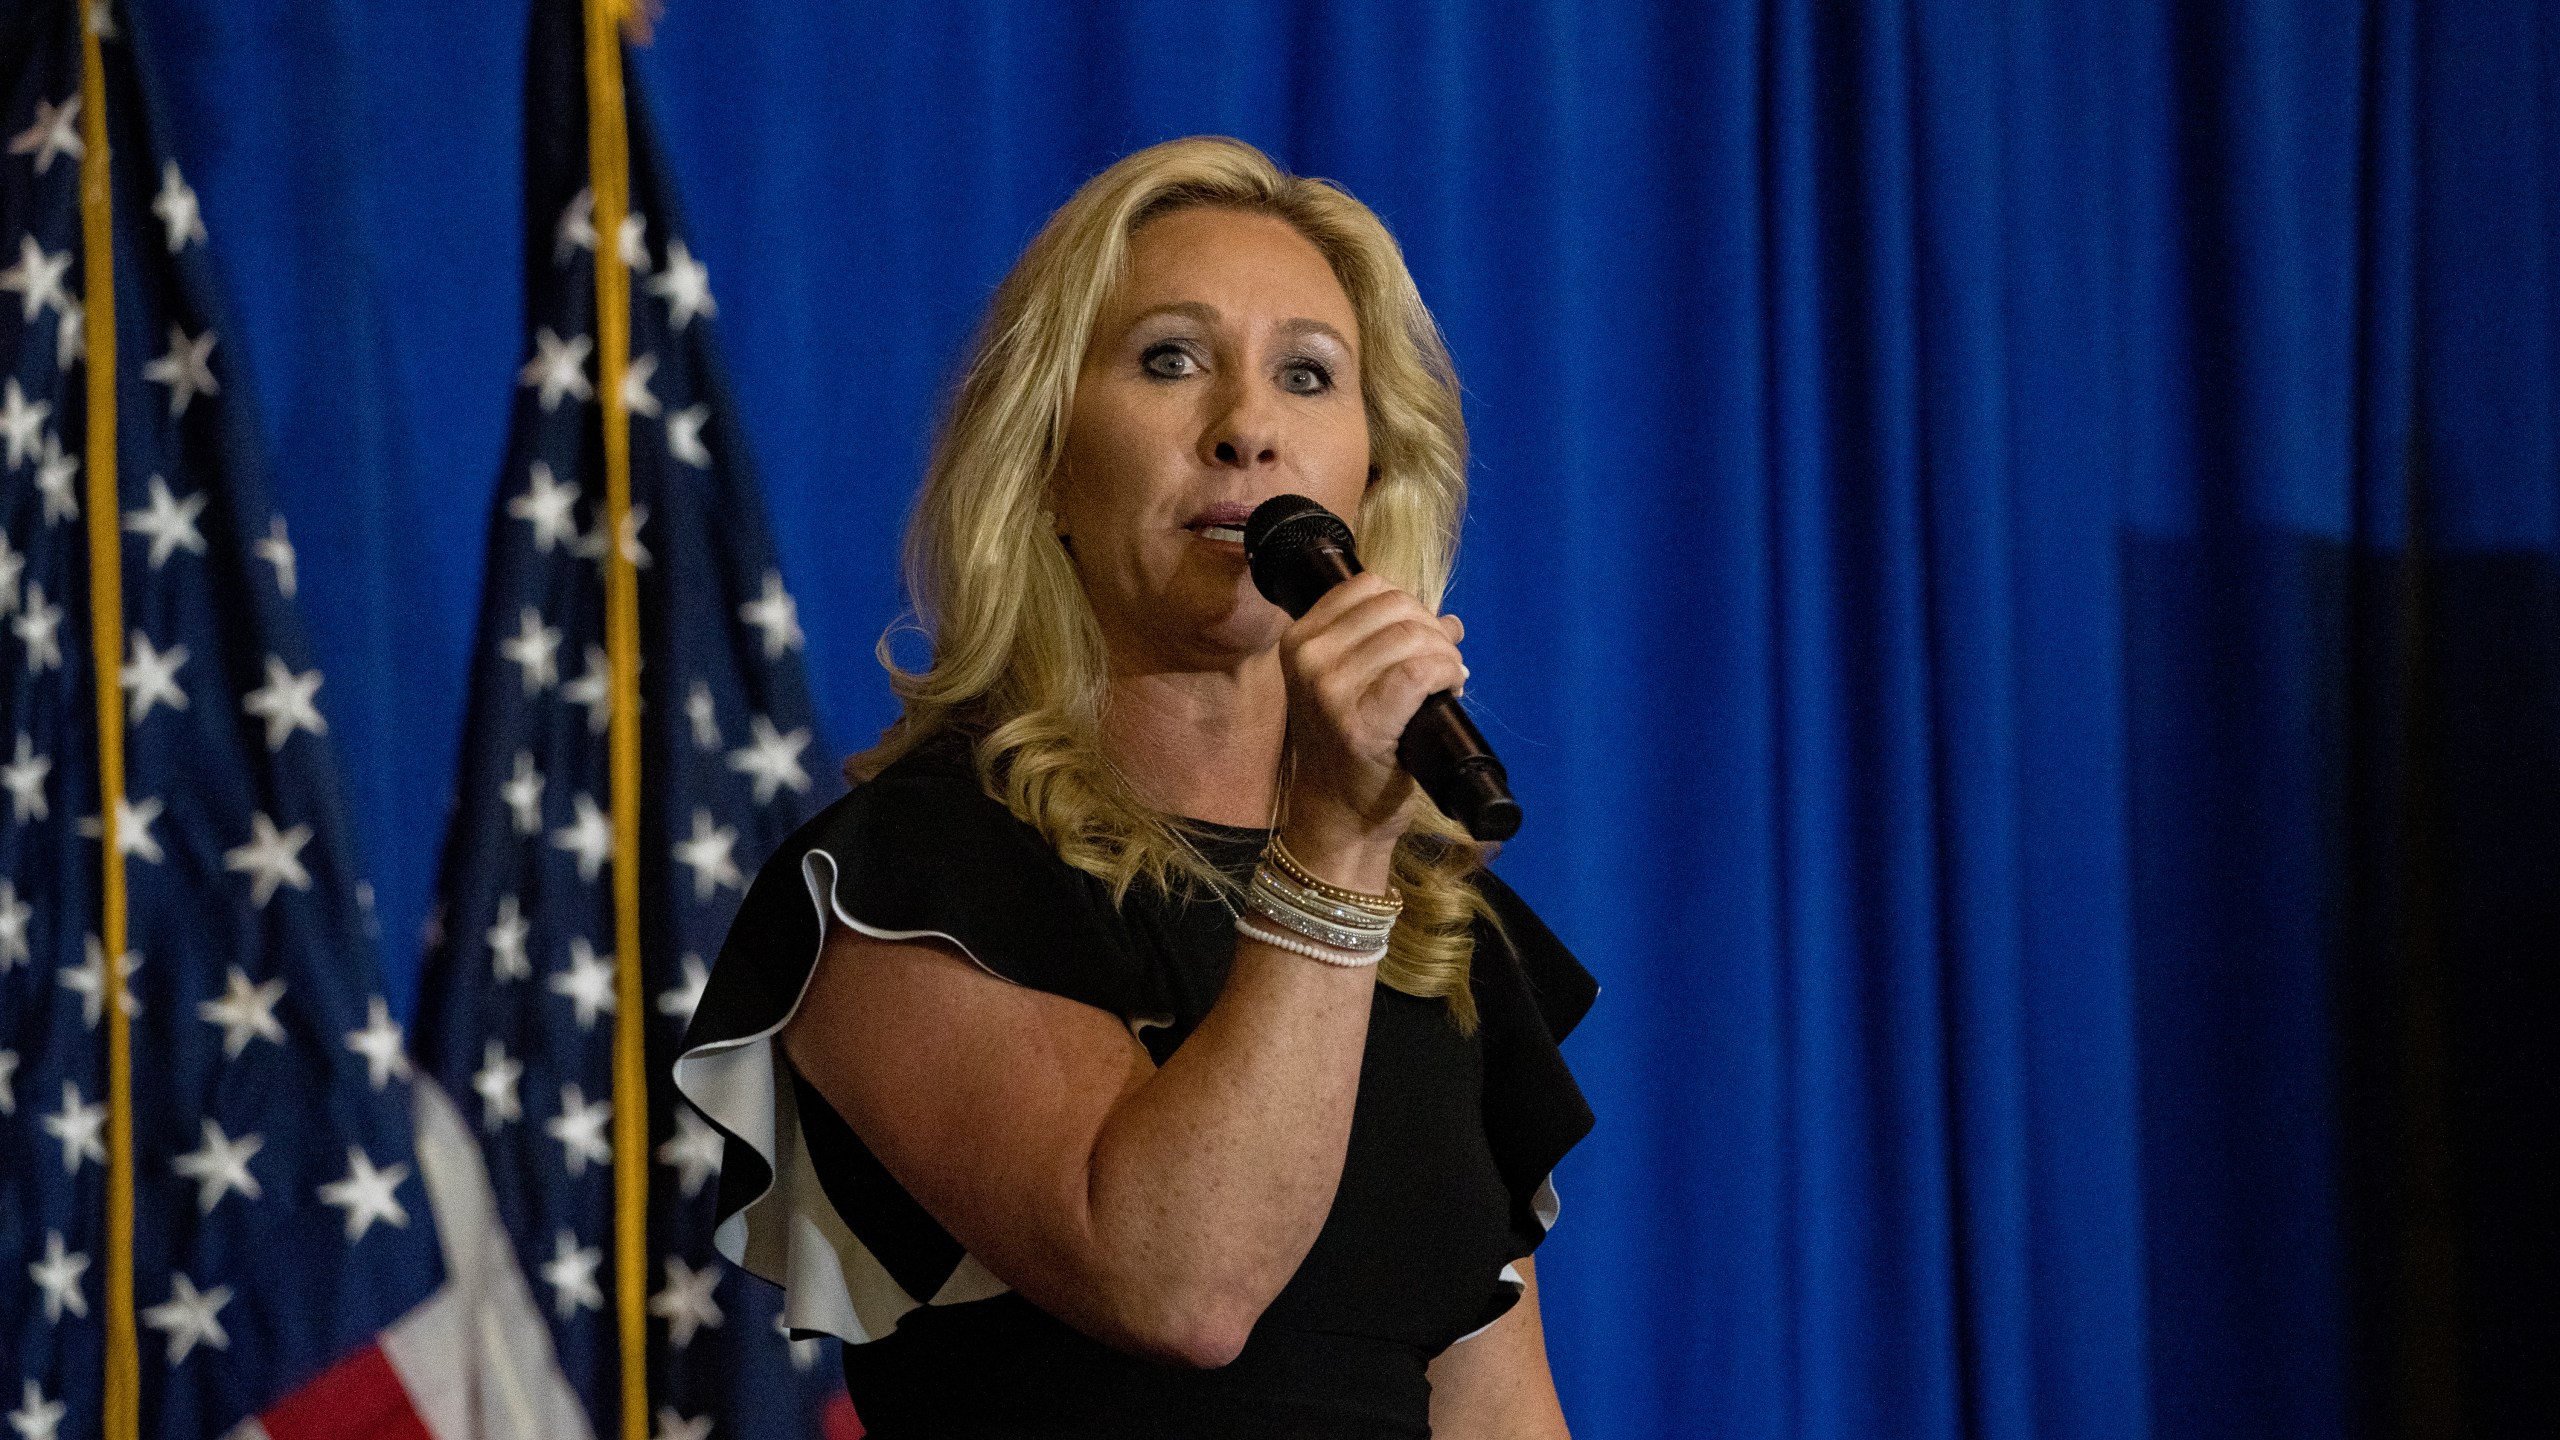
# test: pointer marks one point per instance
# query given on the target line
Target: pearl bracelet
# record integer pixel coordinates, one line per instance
(1342, 959)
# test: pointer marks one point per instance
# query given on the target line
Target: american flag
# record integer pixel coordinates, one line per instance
(283, 1228)
(517, 1015)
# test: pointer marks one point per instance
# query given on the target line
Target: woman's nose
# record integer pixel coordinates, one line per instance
(1244, 435)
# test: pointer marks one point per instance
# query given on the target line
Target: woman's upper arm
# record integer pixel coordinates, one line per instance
(1495, 1385)
(982, 1097)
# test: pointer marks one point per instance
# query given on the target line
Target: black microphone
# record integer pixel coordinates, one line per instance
(1298, 550)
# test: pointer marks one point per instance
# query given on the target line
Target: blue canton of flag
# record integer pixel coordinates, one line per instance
(517, 1012)
(281, 1225)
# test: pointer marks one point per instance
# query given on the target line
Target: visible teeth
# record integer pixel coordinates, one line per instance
(1233, 534)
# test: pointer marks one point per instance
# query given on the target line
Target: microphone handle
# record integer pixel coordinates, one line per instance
(1441, 748)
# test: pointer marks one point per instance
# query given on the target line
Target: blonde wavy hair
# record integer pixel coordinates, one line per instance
(1017, 665)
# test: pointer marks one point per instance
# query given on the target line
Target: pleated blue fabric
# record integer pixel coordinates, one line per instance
(2014, 560)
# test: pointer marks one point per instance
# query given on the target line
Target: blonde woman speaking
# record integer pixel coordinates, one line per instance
(1135, 1051)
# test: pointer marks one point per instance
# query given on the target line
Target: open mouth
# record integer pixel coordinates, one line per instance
(1222, 522)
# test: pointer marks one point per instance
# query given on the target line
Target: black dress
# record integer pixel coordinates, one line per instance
(1444, 1184)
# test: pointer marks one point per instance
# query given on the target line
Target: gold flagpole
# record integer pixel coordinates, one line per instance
(122, 1418)
(609, 176)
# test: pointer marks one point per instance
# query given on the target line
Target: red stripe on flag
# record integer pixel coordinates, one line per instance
(359, 1398)
(837, 1420)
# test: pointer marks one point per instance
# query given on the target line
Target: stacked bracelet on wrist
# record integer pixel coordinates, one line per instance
(1312, 918)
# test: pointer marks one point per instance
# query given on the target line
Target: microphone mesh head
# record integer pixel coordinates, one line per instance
(1276, 540)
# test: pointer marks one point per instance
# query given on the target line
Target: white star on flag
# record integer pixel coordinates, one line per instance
(708, 855)
(285, 703)
(368, 1194)
(37, 277)
(636, 397)
(674, 1426)
(277, 550)
(56, 131)
(559, 369)
(55, 470)
(169, 521)
(36, 1417)
(245, 1012)
(685, 996)
(703, 714)
(523, 794)
(534, 649)
(588, 835)
(579, 1127)
(496, 1083)
(571, 1274)
(184, 369)
(134, 819)
(776, 614)
(70, 334)
(575, 230)
(379, 1042)
(220, 1165)
(22, 423)
(8, 1078)
(188, 1317)
(506, 937)
(693, 1152)
(549, 505)
(38, 626)
(14, 915)
(685, 285)
(81, 1129)
(685, 1303)
(24, 782)
(772, 759)
(590, 546)
(684, 436)
(177, 209)
(89, 979)
(150, 676)
(587, 983)
(270, 858)
(58, 1276)
(634, 241)
(593, 690)
(12, 566)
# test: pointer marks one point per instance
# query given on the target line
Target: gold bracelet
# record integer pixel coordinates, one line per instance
(1278, 854)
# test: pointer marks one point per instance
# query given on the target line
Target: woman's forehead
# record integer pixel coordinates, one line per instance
(1216, 265)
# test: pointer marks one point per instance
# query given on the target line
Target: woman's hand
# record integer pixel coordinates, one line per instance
(1359, 663)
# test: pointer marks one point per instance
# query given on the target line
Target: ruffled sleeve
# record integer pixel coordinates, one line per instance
(1530, 994)
(919, 853)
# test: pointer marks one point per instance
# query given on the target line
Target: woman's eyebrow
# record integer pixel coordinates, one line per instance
(1316, 327)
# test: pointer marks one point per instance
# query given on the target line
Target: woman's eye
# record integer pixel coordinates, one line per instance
(1305, 377)
(1169, 362)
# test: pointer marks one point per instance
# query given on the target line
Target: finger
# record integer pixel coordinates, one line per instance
(1345, 597)
(1456, 627)
(1323, 637)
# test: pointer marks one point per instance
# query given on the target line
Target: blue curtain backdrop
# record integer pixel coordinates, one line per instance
(2015, 561)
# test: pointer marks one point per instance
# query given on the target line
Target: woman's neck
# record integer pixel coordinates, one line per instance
(1201, 744)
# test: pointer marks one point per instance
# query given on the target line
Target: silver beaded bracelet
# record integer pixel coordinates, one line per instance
(1278, 910)
(1330, 955)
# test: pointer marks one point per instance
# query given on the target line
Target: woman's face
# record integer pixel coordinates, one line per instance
(1224, 372)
